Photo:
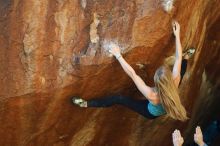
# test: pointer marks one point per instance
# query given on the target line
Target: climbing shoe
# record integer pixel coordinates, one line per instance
(80, 102)
(189, 53)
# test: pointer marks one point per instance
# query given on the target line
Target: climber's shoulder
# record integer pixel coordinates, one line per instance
(153, 96)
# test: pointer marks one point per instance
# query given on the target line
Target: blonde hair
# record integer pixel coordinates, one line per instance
(168, 94)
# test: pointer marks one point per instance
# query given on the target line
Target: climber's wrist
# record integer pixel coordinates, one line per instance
(117, 56)
(202, 143)
(178, 39)
(177, 35)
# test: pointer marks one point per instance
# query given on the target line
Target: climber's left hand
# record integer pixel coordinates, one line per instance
(115, 51)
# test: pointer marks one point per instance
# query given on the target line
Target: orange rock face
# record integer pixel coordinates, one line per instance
(51, 50)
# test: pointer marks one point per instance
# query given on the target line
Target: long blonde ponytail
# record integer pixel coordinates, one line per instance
(168, 94)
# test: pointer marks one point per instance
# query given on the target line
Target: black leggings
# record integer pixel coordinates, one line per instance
(139, 106)
(183, 69)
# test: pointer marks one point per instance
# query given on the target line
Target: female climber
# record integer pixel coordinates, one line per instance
(161, 99)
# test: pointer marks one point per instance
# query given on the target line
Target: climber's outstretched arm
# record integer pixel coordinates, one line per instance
(178, 59)
(142, 87)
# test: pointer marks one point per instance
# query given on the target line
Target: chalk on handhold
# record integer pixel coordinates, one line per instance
(83, 3)
(140, 65)
(168, 5)
(108, 45)
(94, 37)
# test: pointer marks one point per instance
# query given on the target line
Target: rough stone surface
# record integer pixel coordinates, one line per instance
(51, 50)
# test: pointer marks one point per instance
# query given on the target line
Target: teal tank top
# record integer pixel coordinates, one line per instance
(156, 110)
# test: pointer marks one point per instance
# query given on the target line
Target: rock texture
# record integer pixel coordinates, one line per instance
(51, 50)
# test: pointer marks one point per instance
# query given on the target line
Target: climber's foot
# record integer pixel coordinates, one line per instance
(80, 102)
(189, 53)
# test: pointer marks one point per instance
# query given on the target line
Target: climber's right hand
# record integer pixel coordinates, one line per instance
(176, 28)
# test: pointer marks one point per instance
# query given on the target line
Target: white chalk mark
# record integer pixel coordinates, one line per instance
(83, 3)
(168, 5)
(140, 66)
(94, 37)
(61, 20)
(108, 45)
